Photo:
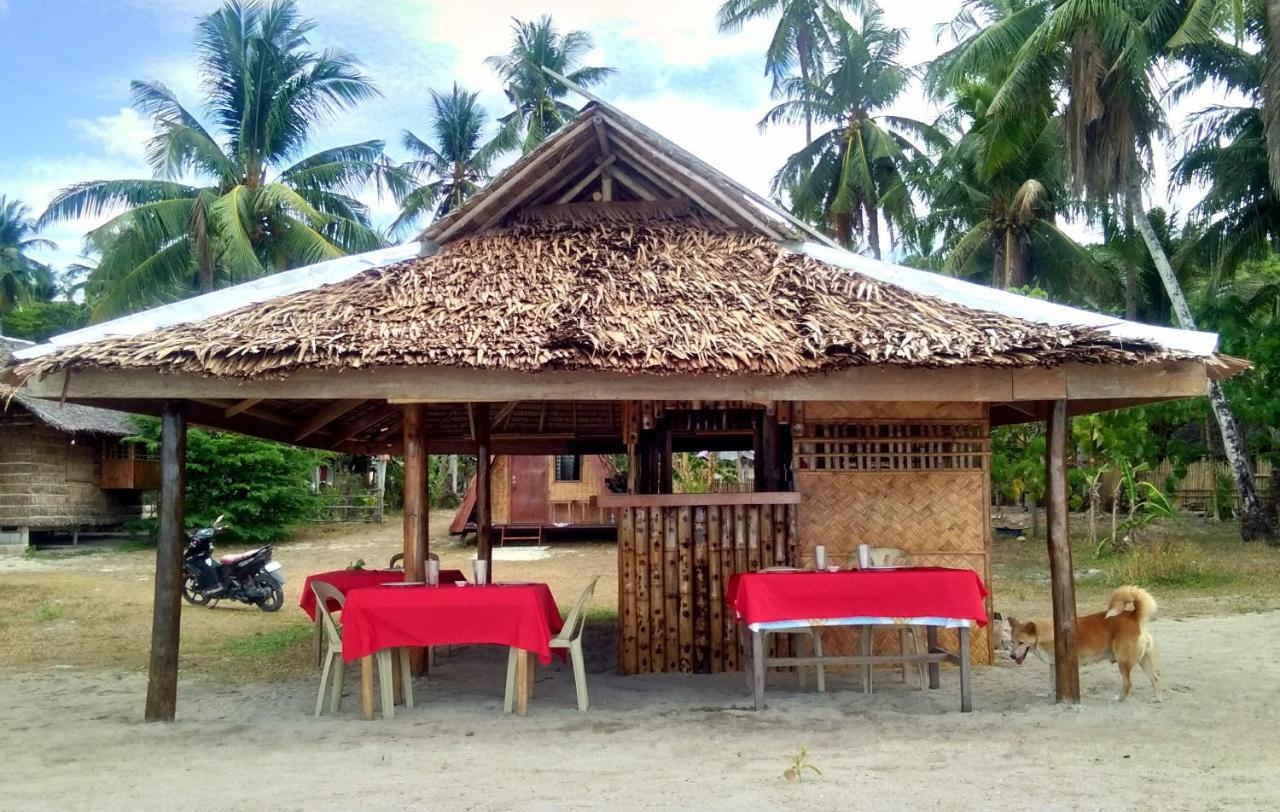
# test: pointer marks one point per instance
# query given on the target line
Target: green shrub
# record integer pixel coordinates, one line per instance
(262, 488)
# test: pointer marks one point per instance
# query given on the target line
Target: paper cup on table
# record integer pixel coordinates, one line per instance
(480, 571)
(433, 572)
(864, 556)
(820, 557)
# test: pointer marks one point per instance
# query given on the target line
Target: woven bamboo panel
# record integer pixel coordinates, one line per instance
(674, 564)
(938, 515)
(874, 410)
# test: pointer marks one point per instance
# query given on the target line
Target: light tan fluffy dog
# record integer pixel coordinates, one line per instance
(1118, 635)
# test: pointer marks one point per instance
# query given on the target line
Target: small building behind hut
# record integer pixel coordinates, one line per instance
(536, 496)
(64, 468)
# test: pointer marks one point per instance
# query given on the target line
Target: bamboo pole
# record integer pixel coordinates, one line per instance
(1061, 576)
(166, 613)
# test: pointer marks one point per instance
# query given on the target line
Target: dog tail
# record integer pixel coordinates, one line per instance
(1132, 599)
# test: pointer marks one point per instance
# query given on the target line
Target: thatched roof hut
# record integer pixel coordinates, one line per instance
(60, 464)
(609, 292)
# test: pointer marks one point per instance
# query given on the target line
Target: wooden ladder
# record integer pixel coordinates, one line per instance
(526, 532)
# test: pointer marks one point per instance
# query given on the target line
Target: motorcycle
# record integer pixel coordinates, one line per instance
(251, 577)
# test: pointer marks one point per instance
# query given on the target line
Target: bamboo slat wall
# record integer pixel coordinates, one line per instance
(1196, 490)
(914, 476)
(674, 564)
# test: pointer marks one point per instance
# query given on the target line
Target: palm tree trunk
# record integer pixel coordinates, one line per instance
(1015, 261)
(804, 47)
(873, 228)
(1271, 89)
(1253, 520)
(843, 222)
(1130, 291)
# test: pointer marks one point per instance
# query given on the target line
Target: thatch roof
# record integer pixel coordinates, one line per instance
(66, 417)
(672, 294)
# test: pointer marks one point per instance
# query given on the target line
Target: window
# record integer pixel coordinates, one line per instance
(568, 468)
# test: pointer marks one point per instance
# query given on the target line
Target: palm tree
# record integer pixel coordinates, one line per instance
(258, 206)
(456, 166)
(1239, 214)
(1102, 56)
(800, 39)
(854, 172)
(22, 279)
(994, 197)
(536, 96)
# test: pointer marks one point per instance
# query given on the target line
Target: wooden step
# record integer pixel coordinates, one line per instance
(520, 533)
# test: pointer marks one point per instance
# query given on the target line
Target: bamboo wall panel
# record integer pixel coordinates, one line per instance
(500, 490)
(674, 564)
(921, 485)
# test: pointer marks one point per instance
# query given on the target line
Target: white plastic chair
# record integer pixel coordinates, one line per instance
(331, 677)
(570, 639)
(815, 640)
(891, 557)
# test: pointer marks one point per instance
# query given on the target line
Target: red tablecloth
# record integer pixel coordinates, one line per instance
(763, 597)
(346, 580)
(524, 616)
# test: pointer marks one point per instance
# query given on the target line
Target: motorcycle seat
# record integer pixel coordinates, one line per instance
(231, 559)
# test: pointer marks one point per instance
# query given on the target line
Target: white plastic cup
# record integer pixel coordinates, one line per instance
(820, 557)
(480, 571)
(864, 556)
(433, 572)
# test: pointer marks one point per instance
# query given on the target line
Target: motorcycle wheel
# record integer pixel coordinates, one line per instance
(274, 599)
(191, 592)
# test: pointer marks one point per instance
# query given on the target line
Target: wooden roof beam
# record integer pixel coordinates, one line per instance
(352, 429)
(641, 189)
(260, 414)
(247, 403)
(530, 170)
(726, 215)
(518, 199)
(682, 177)
(586, 180)
(326, 416)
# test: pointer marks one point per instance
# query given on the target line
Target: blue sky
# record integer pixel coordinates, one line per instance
(65, 114)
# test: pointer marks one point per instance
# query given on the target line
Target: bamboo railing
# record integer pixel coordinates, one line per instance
(676, 553)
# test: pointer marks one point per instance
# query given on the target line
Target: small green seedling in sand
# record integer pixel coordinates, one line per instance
(799, 763)
(358, 564)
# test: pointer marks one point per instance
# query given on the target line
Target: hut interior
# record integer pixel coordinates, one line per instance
(609, 293)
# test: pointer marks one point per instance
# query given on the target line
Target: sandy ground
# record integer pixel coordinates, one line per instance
(73, 634)
(72, 740)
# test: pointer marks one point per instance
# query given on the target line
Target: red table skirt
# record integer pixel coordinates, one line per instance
(763, 597)
(346, 580)
(524, 616)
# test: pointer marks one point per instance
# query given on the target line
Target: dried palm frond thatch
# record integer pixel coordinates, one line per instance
(678, 295)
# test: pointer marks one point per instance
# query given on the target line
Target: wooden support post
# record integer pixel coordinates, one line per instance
(768, 476)
(1061, 575)
(665, 460)
(166, 613)
(416, 508)
(648, 451)
(484, 487)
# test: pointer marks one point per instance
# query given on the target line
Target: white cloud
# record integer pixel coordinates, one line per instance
(122, 134)
(36, 180)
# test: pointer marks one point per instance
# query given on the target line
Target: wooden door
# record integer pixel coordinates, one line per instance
(528, 489)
